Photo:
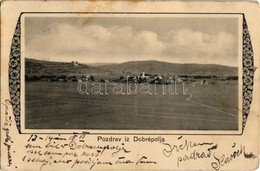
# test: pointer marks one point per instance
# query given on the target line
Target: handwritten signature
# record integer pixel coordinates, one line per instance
(186, 145)
(222, 160)
(7, 118)
(7, 142)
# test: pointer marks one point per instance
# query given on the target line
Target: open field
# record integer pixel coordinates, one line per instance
(59, 105)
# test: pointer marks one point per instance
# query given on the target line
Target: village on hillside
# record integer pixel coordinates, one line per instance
(41, 74)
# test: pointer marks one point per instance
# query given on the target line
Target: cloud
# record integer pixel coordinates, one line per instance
(123, 43)
(187, 42)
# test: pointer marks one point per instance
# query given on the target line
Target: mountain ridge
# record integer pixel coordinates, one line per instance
(130, 67)
(167, 68)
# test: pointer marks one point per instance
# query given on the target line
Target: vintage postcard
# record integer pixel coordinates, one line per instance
(129, 85)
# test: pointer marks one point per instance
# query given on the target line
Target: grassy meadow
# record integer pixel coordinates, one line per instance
(59, 105)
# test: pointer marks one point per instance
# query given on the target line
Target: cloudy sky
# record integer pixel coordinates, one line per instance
(120, 39)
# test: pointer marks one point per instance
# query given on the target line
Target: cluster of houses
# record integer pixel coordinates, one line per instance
(153, 79)
(161, 79)
(139, 78)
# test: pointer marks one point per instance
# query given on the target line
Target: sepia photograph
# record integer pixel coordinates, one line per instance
(132, 71)
(129, 85)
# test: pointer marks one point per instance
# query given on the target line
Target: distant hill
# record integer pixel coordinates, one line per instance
(98, 64)
(40, 67)
(165, 68)
(33, 66)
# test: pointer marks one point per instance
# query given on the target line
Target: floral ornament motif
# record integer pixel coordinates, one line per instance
(13, 63)
(14, 74)
(248, 73)
(248, 80)
(248, 61)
